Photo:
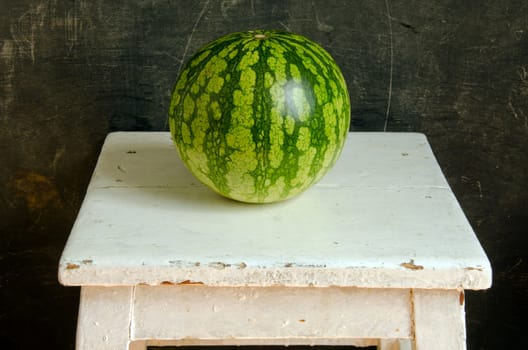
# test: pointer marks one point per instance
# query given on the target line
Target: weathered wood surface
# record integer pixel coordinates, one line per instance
(70, 72)
(383, 217)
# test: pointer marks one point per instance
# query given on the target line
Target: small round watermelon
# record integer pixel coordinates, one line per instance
(260, 116)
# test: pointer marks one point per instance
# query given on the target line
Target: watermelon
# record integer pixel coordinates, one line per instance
(260, 116)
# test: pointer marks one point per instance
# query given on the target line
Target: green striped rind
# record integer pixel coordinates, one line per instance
(260, 116)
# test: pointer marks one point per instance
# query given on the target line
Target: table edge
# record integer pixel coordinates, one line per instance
(407, 276)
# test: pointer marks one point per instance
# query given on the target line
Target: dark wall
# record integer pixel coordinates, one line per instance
(72, 71)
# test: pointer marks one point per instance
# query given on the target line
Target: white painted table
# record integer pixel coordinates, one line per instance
(378, 253)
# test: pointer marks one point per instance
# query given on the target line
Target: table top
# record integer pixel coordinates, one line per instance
(383, 217)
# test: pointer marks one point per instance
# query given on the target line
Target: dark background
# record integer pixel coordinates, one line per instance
(72, 71)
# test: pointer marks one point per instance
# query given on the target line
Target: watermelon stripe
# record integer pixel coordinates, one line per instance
(254, 119)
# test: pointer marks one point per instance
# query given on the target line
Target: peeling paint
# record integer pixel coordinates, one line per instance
(411, 265)
(189, 282)
(183, 264)
(182, 283)
(219, 265)
(315, 266)
(241, 265)
(471, 268)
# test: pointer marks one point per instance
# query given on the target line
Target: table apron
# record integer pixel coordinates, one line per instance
(214, 313)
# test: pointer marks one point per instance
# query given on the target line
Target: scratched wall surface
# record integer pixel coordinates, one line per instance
(72, 71)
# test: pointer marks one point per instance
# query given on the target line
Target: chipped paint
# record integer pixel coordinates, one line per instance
(241, 265)
(219, 265)
(189, 282)
(182, 283)
(411, 265)
(471, 268)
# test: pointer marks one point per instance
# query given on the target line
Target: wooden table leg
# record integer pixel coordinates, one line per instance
(439, 320)
(104, 319)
